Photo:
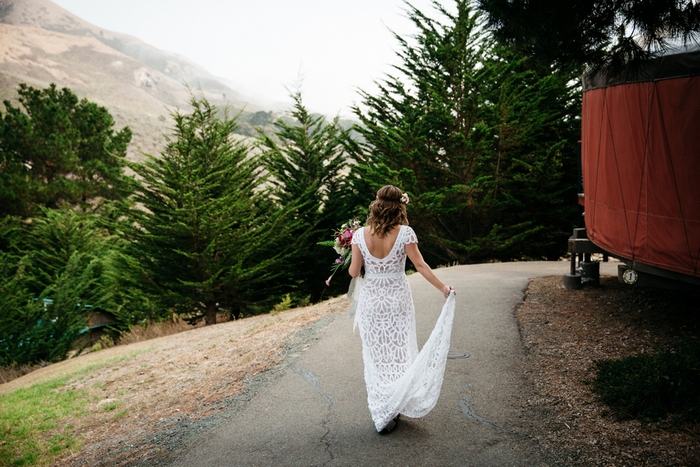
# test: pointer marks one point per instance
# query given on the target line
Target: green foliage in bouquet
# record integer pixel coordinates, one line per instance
(342, 244)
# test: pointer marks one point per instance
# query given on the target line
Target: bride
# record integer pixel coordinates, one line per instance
(399, 379)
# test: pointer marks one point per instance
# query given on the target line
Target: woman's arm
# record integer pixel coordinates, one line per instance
(422, 267)
(356, 263)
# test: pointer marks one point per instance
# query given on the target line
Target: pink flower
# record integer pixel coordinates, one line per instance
(345, 238)
(342, 245)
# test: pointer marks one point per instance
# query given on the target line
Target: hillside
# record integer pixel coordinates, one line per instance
(43, 43)
(130, 392)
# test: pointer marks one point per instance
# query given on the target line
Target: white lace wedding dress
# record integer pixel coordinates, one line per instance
(399, 379)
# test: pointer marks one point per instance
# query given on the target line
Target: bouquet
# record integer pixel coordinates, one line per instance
(343, 246)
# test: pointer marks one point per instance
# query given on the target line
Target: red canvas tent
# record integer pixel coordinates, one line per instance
(641, 162)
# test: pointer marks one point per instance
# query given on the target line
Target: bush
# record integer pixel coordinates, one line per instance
(652, 387)
(52, 273)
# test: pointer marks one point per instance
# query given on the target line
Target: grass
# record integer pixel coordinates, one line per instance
(285, 304)
(33, 421)
(30, 419)
(658, 387)
(136, 334)
(8, 373)
(110, 406)
(153, 330)
(109, 362)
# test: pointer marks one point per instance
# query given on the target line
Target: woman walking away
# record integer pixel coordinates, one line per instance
(399, 379)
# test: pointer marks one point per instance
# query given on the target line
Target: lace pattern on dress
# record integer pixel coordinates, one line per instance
(398, 378)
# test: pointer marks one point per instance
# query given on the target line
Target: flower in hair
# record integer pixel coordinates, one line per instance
(404, 198)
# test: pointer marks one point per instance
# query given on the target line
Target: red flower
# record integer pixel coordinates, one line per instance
(345, 238)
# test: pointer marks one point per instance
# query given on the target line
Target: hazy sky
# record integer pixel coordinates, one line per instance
(263, 46)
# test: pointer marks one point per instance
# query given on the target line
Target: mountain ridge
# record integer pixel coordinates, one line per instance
(42, 43)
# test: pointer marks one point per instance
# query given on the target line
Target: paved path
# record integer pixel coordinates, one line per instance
(316, 413)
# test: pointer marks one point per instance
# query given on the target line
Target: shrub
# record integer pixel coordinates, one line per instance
(652, 387)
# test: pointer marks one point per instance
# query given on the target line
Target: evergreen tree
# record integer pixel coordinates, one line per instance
(482, 141)
(209, 237)
(53, 274)
(531, 120)
(58, 149)
(595, 33)
(307, 161)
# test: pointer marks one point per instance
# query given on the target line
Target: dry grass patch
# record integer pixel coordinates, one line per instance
(153, 330)
(8, 373)
(183, 376)
(149, 331)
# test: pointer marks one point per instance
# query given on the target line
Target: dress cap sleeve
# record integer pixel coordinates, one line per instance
(356, 236)
(410, 235)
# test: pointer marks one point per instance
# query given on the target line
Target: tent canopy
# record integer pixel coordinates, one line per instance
(641, 162)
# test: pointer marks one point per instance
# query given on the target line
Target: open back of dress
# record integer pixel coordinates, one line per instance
(399, 379)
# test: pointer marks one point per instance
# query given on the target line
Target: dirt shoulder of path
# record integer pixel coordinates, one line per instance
(564, 332)
(145, 398)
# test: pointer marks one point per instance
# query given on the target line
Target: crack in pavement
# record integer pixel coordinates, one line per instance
(466, 404)
(327, 437)
(325, 423)
(313, 379)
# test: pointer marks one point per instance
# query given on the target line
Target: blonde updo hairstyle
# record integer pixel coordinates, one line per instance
(387, 211)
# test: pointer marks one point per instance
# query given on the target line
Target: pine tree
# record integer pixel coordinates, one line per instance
(58, 149)
(53, 274)
(307, 161)
(209, 237)
(592, 32)
(477, 137)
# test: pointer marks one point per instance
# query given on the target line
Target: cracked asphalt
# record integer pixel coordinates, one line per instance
(315, 414)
